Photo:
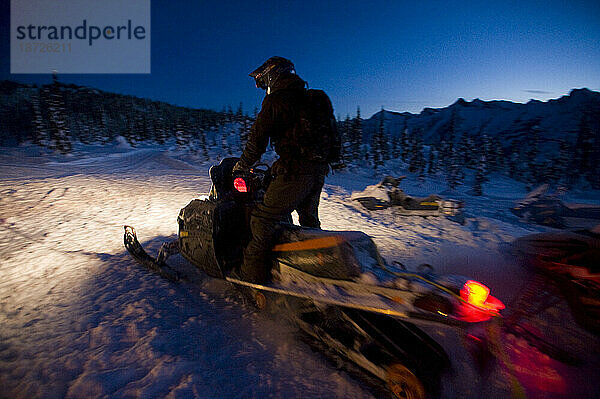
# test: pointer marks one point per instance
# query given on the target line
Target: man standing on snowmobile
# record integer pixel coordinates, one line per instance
(287, 118)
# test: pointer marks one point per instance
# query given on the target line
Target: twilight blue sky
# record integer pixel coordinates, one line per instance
(398, 54)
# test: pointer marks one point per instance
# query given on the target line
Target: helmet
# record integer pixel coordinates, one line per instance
(266, 74)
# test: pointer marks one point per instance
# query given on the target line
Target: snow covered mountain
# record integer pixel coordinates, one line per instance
(557, 120)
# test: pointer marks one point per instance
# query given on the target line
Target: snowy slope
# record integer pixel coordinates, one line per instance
(78, 318)
(557, 119)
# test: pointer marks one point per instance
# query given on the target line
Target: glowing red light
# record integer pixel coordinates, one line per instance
(475, 293)
(240, 185)
(482, 304)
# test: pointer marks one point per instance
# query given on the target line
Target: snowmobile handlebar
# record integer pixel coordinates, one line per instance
(243, 185)
(250, 184)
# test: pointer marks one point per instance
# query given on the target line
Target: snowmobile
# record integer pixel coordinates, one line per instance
(569, 262)
(544, 208)
(564, 279)
(387, 194)
(381, 323)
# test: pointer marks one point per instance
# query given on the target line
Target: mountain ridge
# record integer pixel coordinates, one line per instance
(557, 119)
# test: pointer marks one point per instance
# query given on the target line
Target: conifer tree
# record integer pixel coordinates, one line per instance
(39, 129)
(558, 168)
(182, 136)
(469, 151)
(416, 161)
(386, 145)
(584, 148)
(356, 137)
(514, 160)
(395, 144)
(378, 143)
(495, 156)
(140, 126)
(229, 113)
(99, 127)
(160, 130)
(59, 132)
(432, 164)
(449, 136)
(533, 167)
(594, 172)
(239, 114)
(346, 133)
(454, 173)
(405, 143)
(421, 172)
(480, 176)
(199, 144)
(364, 153)
(224, 136)
(244, 131)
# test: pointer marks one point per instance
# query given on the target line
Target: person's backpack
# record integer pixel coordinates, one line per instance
(316, 132)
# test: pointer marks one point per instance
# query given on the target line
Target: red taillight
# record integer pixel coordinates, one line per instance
(479, 304)
(478, 295)
(475, 293)
(240, 185)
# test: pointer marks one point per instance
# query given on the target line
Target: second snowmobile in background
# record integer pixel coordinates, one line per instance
(400, 330)
(542, 207)
(387, 193)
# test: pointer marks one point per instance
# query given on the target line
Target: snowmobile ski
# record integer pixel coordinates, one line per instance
(156, 265)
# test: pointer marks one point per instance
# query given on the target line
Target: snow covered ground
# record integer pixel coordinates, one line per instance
(78, 318)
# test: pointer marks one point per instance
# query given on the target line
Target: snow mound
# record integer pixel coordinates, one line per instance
(121, 143)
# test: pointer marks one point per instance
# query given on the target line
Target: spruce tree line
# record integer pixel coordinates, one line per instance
(56, 115)
(455, 152)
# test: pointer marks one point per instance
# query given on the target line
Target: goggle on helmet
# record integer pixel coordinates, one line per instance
(270, 69)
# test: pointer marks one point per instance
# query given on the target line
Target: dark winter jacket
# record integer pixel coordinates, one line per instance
(275, 121)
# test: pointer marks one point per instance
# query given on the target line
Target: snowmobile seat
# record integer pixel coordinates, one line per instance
(422, 202)
(398, 197)
(342, 255)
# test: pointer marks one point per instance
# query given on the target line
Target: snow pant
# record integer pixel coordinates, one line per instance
(284, 195)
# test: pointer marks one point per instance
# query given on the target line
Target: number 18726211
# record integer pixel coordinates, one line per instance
(45, 47)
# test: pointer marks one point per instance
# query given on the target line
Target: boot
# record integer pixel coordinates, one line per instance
(255, 270)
